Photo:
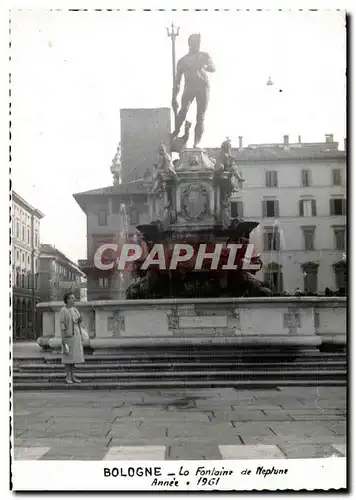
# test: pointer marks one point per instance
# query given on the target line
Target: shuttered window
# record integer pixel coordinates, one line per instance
(237, 209)
(306, 178)
(307, 208)
(271, 178)
(340, 238)
(271, 240)
(337, 206)
(270, 208)
(102, 218)
(336, 177)
(309, 238)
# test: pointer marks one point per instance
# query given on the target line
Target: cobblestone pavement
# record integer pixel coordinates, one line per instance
(180, 424)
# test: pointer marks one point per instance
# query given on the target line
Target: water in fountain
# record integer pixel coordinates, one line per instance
(277, 230)
(125, 277)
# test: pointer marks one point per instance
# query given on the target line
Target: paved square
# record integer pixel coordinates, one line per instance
(211, 424)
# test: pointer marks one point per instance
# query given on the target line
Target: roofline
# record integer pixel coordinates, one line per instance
(80, 197)
(58, 255)
(18, 199)
(144, 109)
(316, 155)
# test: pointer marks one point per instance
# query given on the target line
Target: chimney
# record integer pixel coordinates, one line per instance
(329, 137)
(240, 141)
(286, 140)
(299, 139)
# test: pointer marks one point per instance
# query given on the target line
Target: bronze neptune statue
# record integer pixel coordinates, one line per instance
(194, 66)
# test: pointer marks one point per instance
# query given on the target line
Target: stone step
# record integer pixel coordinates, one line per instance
(176, 374)
(134, 384)
(189, 356)
(88, 366)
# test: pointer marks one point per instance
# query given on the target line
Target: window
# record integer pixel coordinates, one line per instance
(28, 259)
(22, 280)
(309, 237)
(17, 229)
(271, 239)
(23, 257)
(340, 237)
(237, 209)
(340, 275)
(28, 236)
(36, 239)
(310, 273)
(336, 177)
(23, 233)
(103, 282)
(134, 216)
(307, 208)
(102, 218)
(337, 206)
(306, 178)
(270, 208)
(116, 205)
(271, 178)
(274, 277)
(17, 255)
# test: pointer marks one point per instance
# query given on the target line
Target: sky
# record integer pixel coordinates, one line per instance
(73, 71)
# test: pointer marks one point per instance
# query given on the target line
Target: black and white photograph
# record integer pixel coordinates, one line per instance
(179, 249)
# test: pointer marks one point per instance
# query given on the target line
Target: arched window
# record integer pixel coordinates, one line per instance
(22, 280)
(29, 319)
(18, 278)
(16, 317)
(20, 319)
(274, 277)
(36, 278)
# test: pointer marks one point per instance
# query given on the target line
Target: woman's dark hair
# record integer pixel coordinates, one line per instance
(66, 296)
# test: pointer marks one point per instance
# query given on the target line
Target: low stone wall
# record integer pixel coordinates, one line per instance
(272, 321)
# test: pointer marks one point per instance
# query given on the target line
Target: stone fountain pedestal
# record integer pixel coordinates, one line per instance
(282, 322)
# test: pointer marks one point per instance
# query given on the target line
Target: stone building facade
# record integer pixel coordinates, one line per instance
(58, 274)
(25, 221)
(298, 194)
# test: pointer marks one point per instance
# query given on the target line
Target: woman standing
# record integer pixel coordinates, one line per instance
(72, 344)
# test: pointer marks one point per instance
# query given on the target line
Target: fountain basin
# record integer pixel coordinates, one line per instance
(286, 322)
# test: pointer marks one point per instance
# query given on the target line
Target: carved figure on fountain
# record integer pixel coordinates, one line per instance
(116, 166)
(180, 143)
(163, 170)
(227, 172)
(164, 178)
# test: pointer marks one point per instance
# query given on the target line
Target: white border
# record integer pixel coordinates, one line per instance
(315, 473)
(89, 4)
